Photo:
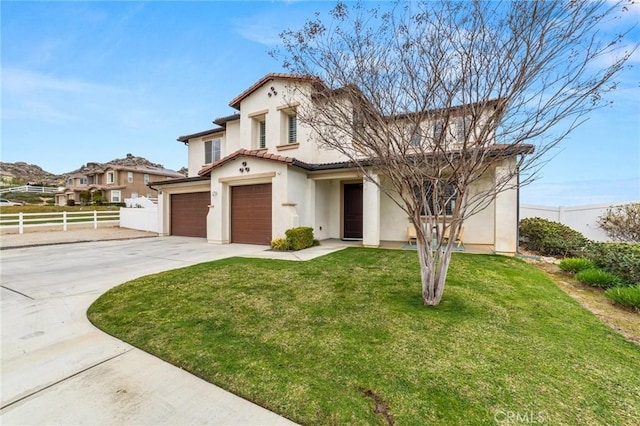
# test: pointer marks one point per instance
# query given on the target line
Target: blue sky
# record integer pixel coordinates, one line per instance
(93, 81)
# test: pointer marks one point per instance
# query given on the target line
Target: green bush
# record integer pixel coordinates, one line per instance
(280, 244)
(299, 238)
(576, 264)
(626, 296)
(598, 278)
(550, 238)
(621, 259)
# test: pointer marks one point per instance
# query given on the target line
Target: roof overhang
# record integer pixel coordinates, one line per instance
(174, 181)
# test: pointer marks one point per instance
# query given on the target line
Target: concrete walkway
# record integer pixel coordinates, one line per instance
(59, 369)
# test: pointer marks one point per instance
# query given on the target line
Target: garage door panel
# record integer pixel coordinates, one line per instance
(251, 214)
(189, 214)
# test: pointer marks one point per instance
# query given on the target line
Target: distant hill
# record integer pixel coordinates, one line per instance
(23, 173)
(35, 175)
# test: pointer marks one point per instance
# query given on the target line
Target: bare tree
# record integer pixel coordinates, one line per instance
(435, 95)
(622, 223)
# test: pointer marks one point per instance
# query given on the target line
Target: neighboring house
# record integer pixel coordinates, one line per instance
(114, 183)
(258, 173)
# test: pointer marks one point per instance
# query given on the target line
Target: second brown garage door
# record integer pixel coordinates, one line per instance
(251, 214)
(189, 214)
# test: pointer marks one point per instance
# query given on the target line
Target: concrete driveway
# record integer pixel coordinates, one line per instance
(56, 368)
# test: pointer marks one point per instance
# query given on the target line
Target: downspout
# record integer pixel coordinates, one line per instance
(518, 212)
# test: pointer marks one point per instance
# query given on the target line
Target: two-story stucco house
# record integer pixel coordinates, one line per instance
(258, 173)
(114, 183)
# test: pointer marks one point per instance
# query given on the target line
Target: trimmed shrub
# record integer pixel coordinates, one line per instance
(550, 238)
(299, 238)
(280, 244)
(598, 278)
(621, 259)
(575, 264)
(626, 296)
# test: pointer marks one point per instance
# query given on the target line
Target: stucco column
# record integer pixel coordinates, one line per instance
(371, 212)
(506, 215)
(217, 223)
(162, 205)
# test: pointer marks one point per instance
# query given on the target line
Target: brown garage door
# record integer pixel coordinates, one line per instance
(189, 214)
(251, 214)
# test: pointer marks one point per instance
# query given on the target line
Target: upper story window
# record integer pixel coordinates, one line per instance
(288, 126)
(292, 128)
(69, 182)
(129, 177)
(111, 177)
(212, 151)
(259, 129)
(84, 181)
(146, 178)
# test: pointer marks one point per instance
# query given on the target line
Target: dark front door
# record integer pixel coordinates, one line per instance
(352, 211)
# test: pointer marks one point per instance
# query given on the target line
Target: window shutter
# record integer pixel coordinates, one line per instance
(263, 134)
(293, 131)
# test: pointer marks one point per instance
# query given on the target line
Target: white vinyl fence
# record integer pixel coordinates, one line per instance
(141, 213)
(583, 219)
(29, 188)
(55, 219)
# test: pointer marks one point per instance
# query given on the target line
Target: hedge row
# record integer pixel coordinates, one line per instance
(555, 239)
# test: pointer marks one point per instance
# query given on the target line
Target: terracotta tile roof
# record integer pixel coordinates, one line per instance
(504, 150)
(152, 185)
(249, 153)
(235, 103)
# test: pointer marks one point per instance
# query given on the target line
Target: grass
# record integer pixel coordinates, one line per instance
(344, 339)
(625, 296)
(598, 278)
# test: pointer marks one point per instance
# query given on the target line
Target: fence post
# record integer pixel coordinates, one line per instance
(95, 219)
(64, 221)
(21, 223)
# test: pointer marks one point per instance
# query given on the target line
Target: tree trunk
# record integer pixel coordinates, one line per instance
(434, 265)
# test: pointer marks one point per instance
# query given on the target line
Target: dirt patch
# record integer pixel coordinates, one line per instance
(624, 321)
(381, 407)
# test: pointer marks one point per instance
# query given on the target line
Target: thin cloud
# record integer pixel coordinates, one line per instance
(23, 81)
(263, 29)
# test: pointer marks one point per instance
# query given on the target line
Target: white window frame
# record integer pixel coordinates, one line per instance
(129, 177)
(116, 196)
(146, 178)
(111, 177)
(216, 149)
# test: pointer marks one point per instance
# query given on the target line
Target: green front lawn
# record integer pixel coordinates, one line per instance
(344, 339)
